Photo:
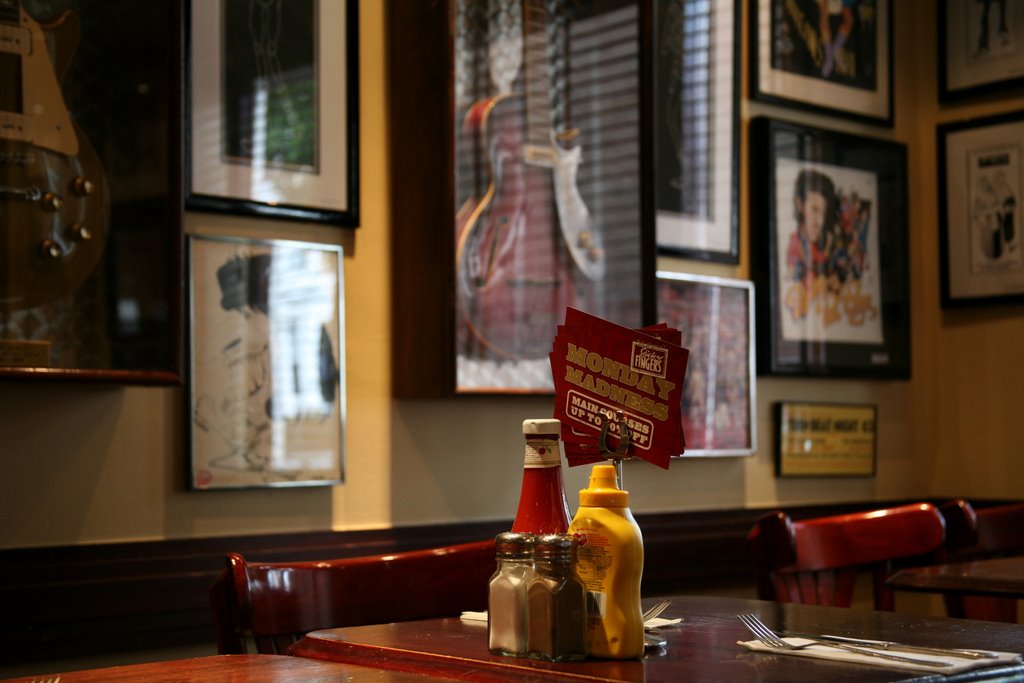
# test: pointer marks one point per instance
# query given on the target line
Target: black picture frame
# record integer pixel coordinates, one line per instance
(836, 303)
(980, 182)
(978, 50)
(91, 269)
(789, 65)
(288, 146)
(817, 439)
(266, 399)
(696, 146)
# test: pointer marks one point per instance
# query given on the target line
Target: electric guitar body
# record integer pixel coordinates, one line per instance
(54, 200)
(513, 272)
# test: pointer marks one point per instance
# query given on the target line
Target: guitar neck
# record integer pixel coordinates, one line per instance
(15, 42)
(537, 46)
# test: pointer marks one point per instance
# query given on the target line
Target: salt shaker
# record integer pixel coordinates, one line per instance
(506, 597)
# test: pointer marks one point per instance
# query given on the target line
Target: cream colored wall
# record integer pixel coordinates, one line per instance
(86, 464)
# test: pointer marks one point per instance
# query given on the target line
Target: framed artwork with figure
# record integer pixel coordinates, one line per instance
(981, 47)
(830, 56)
(981, 175)
(696, 109)
(266, 386)
(273, 109)
(831, 257)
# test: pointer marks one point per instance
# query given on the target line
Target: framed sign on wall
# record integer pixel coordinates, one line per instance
(825, 440)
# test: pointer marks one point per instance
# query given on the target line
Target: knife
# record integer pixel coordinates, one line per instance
(890, 645)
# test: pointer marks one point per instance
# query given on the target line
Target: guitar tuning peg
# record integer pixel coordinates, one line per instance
(82, 186)
(50, 250)
(80, 232)
(52, 202)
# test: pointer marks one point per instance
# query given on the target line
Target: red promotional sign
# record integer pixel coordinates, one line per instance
(618, 390)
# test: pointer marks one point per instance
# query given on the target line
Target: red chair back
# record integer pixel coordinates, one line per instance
(978, 533)
(817, 561)
(273, 604)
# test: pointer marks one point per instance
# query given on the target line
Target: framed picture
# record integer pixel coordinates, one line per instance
(716, 317)
(981, 174)
(91, 220)
(981, 47)
(825, 440)
(266, 399)
(547, 173)
(831, 264)
(696, 112)
(832, 56)
(273, 109)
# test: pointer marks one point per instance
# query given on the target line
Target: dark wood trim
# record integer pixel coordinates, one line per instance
(106, 598)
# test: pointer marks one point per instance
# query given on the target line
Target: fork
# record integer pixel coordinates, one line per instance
(768, 637)
(656, 610)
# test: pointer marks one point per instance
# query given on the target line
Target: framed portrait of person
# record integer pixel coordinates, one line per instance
(832, 56)
(981, 47)
(831, 261)
(980, 178)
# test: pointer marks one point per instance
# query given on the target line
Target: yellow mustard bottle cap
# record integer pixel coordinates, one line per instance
(603, 490)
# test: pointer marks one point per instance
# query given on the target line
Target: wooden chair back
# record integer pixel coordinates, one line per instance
(271, 605)
(817, 561)
(979, 533)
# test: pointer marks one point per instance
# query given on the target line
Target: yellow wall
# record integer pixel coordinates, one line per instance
(84, 464)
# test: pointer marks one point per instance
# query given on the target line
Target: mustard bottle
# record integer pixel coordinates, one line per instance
(610, 561)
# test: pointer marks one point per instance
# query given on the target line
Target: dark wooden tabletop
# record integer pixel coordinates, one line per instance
(227, 669)
(702, 648)
(1001, 577)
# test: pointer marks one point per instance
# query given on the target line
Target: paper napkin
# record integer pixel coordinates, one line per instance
(956, 664)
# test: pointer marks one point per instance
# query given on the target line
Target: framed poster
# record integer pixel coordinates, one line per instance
(981, 47)
(273, 109)
(832, 56)
(91, 220)
(266, 398)
(980, 178)
(831, 262)
(696, 109)
(825, 440)
(547, 173)
(716, 317)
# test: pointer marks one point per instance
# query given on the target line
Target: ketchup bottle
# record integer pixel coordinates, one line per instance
(543, 508)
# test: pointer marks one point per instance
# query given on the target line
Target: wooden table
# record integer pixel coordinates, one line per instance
(702, 648)
(228, 669)
(999, 577)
